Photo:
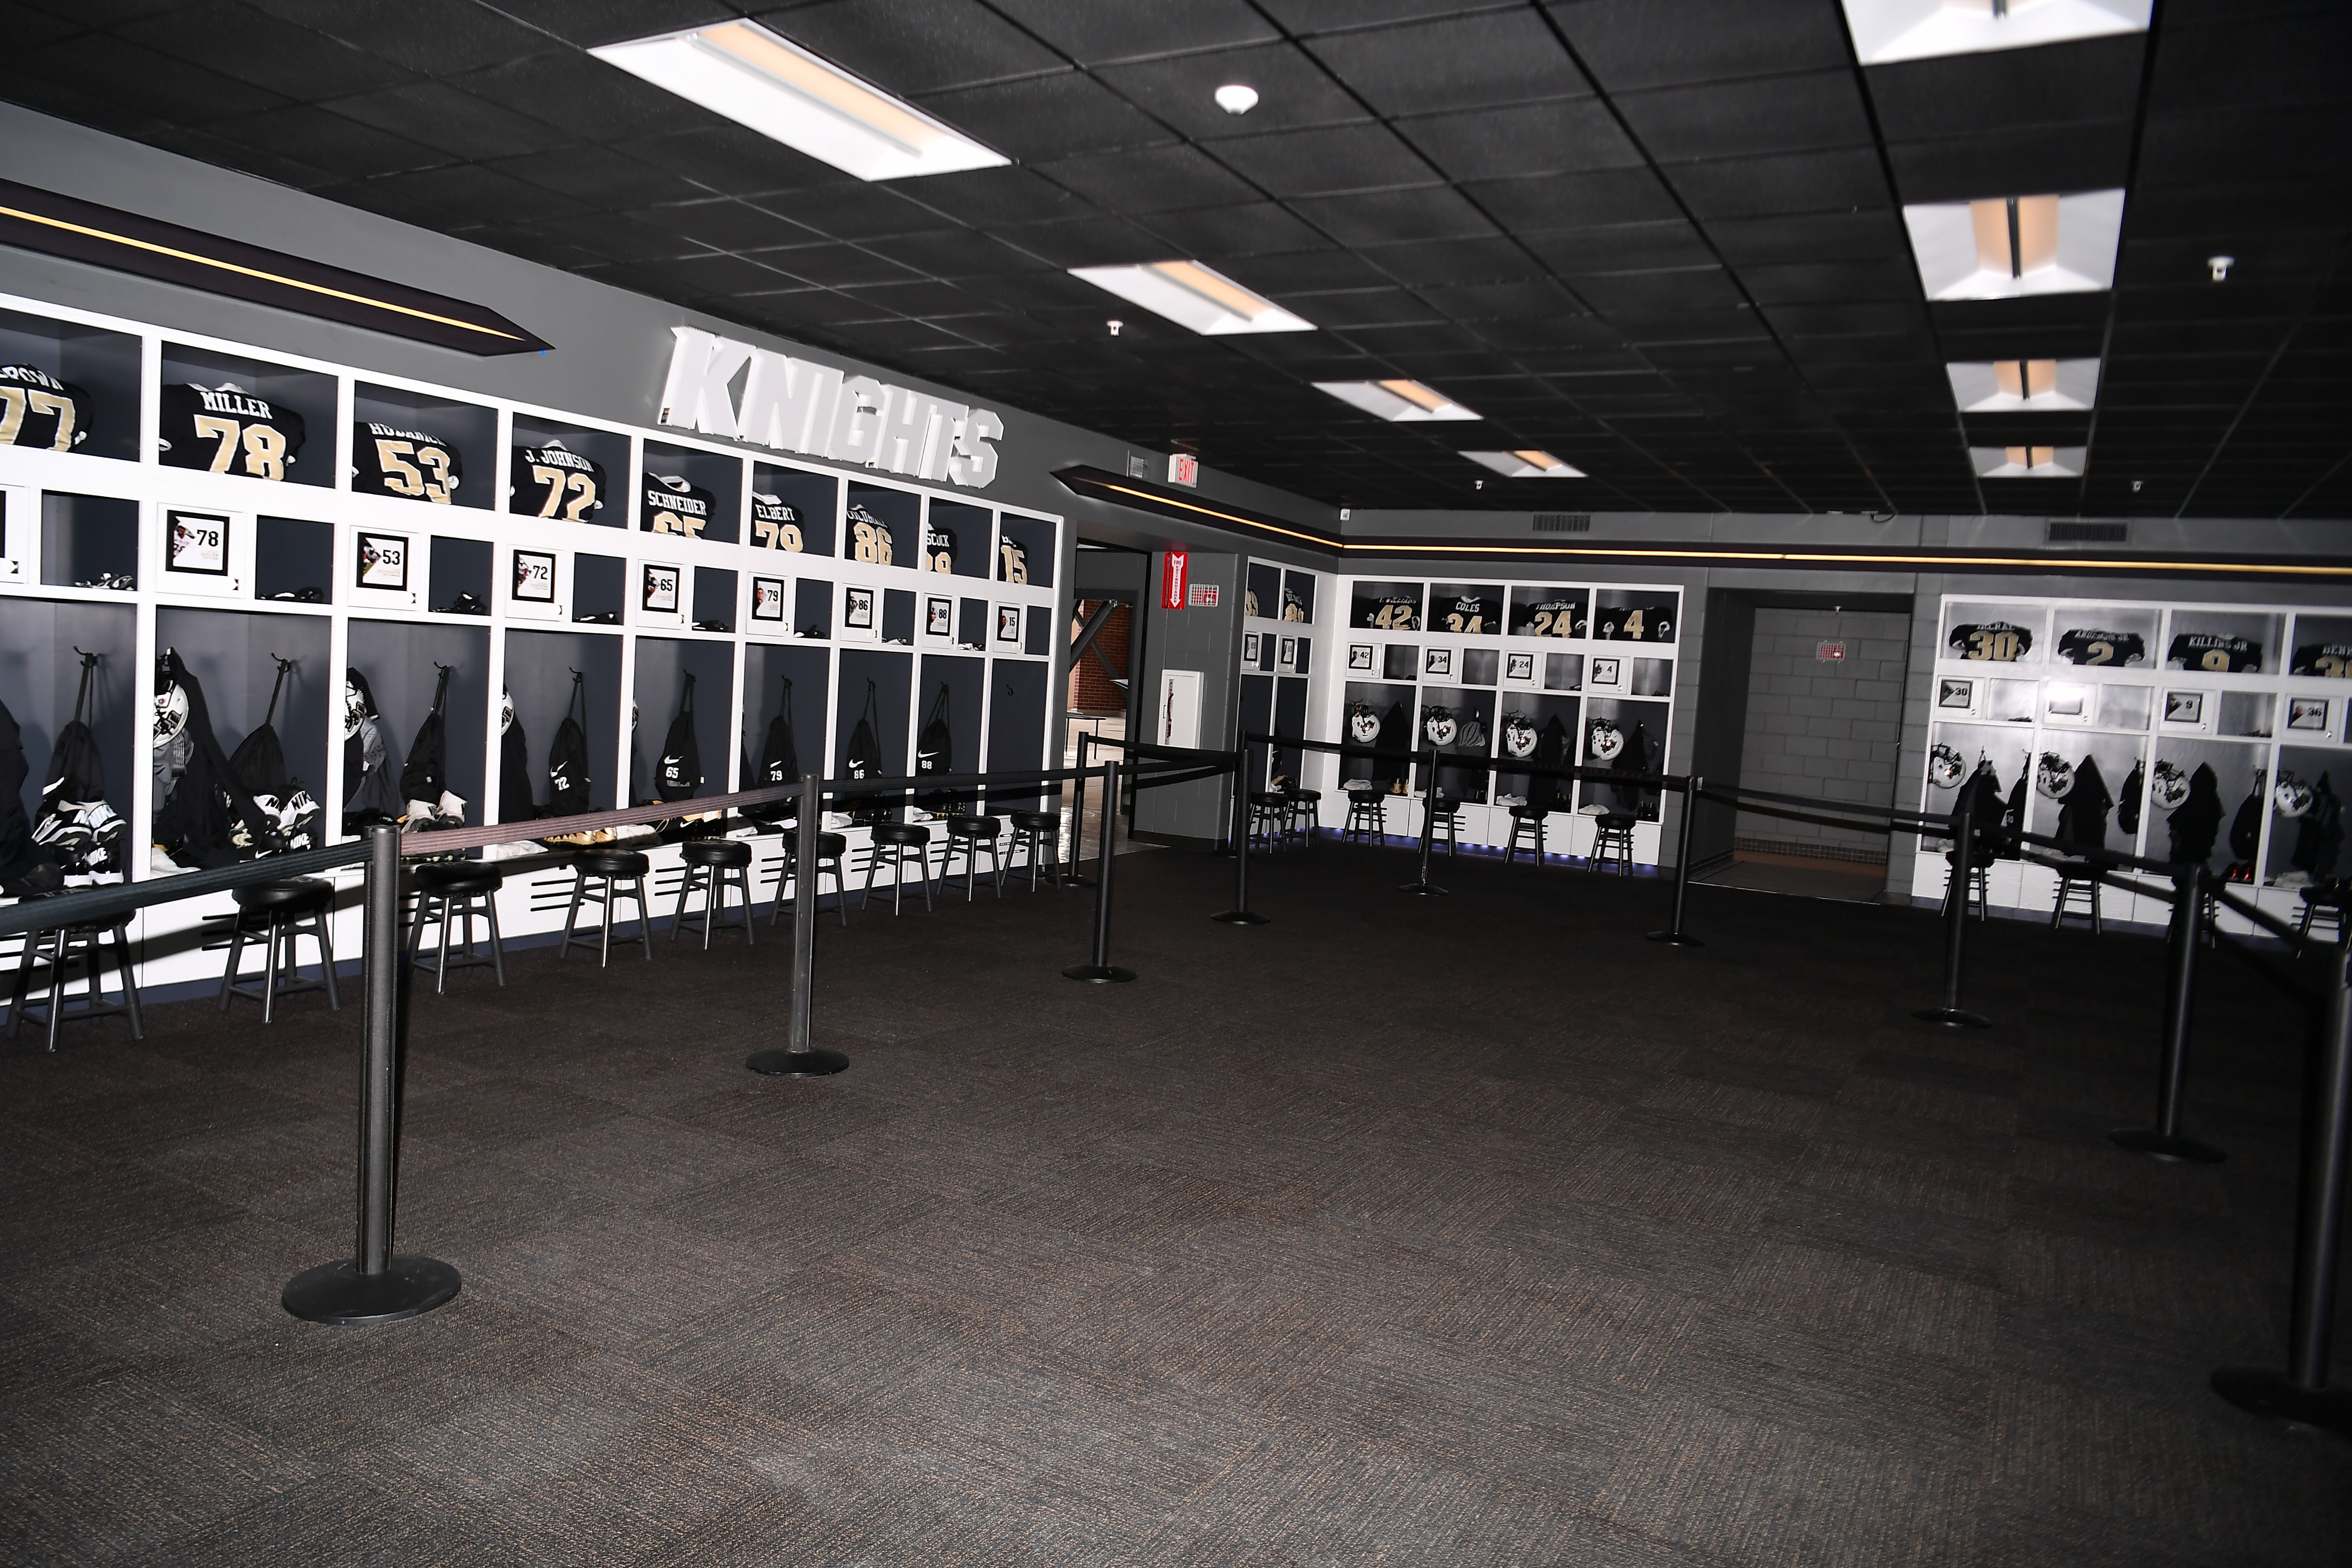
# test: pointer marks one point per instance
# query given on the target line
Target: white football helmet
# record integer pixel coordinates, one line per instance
(2170, 786)
(2292, 796)
(1363, 725)
(1605, 740)
(1945, 767)
(1437, 723)
(1518, 736)
(2054, 775)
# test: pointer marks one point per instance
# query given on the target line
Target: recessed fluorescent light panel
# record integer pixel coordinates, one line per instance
(2025, 385)
(2007, 247)
(754, 78)
(1194, 295)
(1399, 402)
(1525, 464)
(1888, 30)
(2028, 462)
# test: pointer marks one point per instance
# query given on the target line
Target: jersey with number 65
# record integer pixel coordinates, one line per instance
(36, 409)
(555, 481)
(387, 460)
(226, 430)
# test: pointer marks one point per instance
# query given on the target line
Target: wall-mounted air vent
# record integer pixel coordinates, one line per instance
(2090, 532)
(1563, 523)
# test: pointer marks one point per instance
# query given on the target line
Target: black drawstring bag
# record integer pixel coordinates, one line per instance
(2319, 836)
(935, 751)
(514, 802)
(198, 824)
(2127, 809)
(2082, 815)
(780, 763)
(80, 831)
(260, 760)
(25, 867)
(2246, 827)
(567, 756)
(863, 758)
(2195, 821)
(1552, 752)
(424, 776)
(1639, 800)
(680, 774)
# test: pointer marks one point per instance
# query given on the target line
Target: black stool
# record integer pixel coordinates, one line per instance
(276, 911)
(1979, 885)
(1269, 816)
(1034, 831)
(829, 848)
(971, 835)
(2323, 904)
(1368, 815)
(87, 939)
(449, 892)
(618, 874)
(2077, 879)
(1306, 812)
(1526, 819)
(710, 865)
(1446, 811)
(1613, 842)
(902, 839)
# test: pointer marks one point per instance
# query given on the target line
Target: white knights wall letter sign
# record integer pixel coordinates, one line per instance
(798, 406)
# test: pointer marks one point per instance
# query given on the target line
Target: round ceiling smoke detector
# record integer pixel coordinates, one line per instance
(1236, 99)
(2220, 266)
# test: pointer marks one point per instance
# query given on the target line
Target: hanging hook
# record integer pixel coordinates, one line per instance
(445, 669)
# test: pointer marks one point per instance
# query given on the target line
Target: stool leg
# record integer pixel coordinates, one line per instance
(441, 975)
(996, 869)
(897, 876)
(610, 894)
(645, 916)
(678, 919)
(57, 985)
(2059, 913)
(840, 890)
(228, 976)
(923, 864)
(416, 926)
(270, 971)
(24, 985)
(325, 928)
(497, 951)
(2096, 928)
(743, 878)
(970, 867)
(572, 915)
(714, 901)
(130, 982)
(873, 864)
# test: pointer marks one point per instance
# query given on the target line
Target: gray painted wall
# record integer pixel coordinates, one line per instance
(1207, 640)
(1829, 731)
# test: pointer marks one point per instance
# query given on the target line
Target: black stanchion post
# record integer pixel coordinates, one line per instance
(1071, 875)
(2165, 1140)
(1956, 925)
(2301, 1396)
(1423, 885)
(378, 1286)
(799, 1057)
(1102, 972)
(1240, 914)
(1673, 935)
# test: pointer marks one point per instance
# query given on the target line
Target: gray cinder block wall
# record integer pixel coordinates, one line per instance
(1829, 731)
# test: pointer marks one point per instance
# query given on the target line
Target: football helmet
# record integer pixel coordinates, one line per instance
(2054, 775)
(1363, 725)
(1945, 767)
(1438, 725)
(1518, 736)
(2170, 786)
(171, 712)
(2291, 795)
(1605, 740)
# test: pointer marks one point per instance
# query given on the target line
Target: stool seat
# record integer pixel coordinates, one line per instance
(901, 839)
(296, 895)
(463, 880)
(1527, 811)
(103, 925)
(973, 827)
(614, 863)
(1617, 819)
(1267, 797)
(272, 912)
(901, 833)
(828, 846)
(1047, 820)
(732, 853)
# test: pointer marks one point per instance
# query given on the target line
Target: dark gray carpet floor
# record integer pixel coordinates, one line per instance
(1472, 1230)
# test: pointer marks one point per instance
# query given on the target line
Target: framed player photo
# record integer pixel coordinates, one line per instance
(1519, 666)
(1437, 661)
(858, 609)
(2064, 700)
(1606, 671)
(2184, 708)
(657, 592)
(534, 576)
(1008, 624)
(1360, 656)
(383, 561)
(197, 541)
(1961, 694)
(2307, 713)
(1287, 659)
(1249, 648)
(768, 599)
(938, 617)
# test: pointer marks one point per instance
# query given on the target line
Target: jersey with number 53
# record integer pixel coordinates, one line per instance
(226, 430)
(387, 460)
(555, 481)
(36, 409)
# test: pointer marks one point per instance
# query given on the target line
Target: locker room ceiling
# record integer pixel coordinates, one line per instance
(1661, 239)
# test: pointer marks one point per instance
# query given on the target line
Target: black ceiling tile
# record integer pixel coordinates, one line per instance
(2291, 142)
(590, 22)
(532, 244)
(458, 123)
(1562, 136)
(1150, 179)
(330, 141)
(2050, 85)
(1683, 325)
(855, 210)
(1395, 217)
(1623, 247)
(1308, 272)
(1359, 307)
(1574, 201)
(1038, 118)
(1096, 34)
(1837, 180)
(1726, 120)
(926, 296)
(1849, 319)
(582, 95)
(724, 224)
(1050, 289)
(594, 174)
(1827, 283)
(1488, 259)
(471, 193)
(2022, 343)
(1209, 233)
(258, 159)
(1092, 239)
(238, 41)
(2013, 163)
(730, 160)
(2249, 203)
(832, 266)
(168, 90)
(1871, 233)
(1628, 44)
(436, 38)
(1293, 91)
(1410, 339)
(1648, 293)
(1498, 302)
(2039, 312)
(910, 46)
(2197, 337)
(1331, 159)
(2247, 62)
(707, 276)
(987, 198)
(1454, 62)
(616, 238)
(948, 252)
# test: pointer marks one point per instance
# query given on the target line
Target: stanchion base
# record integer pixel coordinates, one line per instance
(1954, 1017)
(1425, 889)
(2167, 1146)
(339, 1293)
(810, 1063)
(2274, 1395)
(1240, 918)
(1672, 940)
(1100, 974)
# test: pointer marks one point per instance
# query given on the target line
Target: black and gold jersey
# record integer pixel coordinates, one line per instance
(1470, 612)
(2092, 645)
(1012, 562)
(36, 409)
(939, 548)
(1393, 612)
(1294, 606)
(2331, 659)
(2215, 651)
(1559, 615)
(226, 430)
(1994, 642)
(673, 505)
(775, 524)
(869, 537)
(555, 481)
(387, 460)
(1635, 623)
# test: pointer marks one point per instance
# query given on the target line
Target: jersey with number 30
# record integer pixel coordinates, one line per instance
(226, 430)
(555, 481)
(1995, 642)
(36, 409)
(389, 461)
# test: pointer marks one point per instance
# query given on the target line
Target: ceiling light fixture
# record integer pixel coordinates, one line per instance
(1194, 295)
(1399, 402)
(1888, 30)
(2025, 385)
(1525, 464)
(757, 78)
(2028, 462)
(2219, 266)
(1236, 99)
(1113, 325)
(2007, 247)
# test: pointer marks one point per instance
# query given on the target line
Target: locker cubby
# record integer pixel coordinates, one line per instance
(898, 513)
(717, 472)
(294, 560)
(1016, 726)
(234, 656)
(811, 608)
(469, 431)
(539, 679)
(973, 530)
(460, 567)
(103, 365)
(308, 392)
(1035, 537)
(401, 660)
(766, 667)
(608, 449)
(41, 641)
(88, 540)
(600, 586)
(714, 599)
(663, 664)
(898, 616)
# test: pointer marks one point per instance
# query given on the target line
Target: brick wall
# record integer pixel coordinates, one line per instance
(1829, 731)
(1091, 691)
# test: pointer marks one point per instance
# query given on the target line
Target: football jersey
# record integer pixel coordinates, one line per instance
(2215, 651)
(555, 481)
(1635, 623)
(1997, 642)
(869, 537)
(775, 524)
(2333, 659)
(1294, 606)
(387, 460)
(674, 506)
(2089, 645)
(1012, 562)
(1471, 614)
(1394, 613)
(939, 549)
(36, 409)
(1559, 617)
(226, 430)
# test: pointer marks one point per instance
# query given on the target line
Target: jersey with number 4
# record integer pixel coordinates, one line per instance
(776, 523)
(555, 481)
(1639, 623)
(36, 409)
(2215, 651)
(2090, 646)
(226, 430)
(389, 461)
(1993, 642)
